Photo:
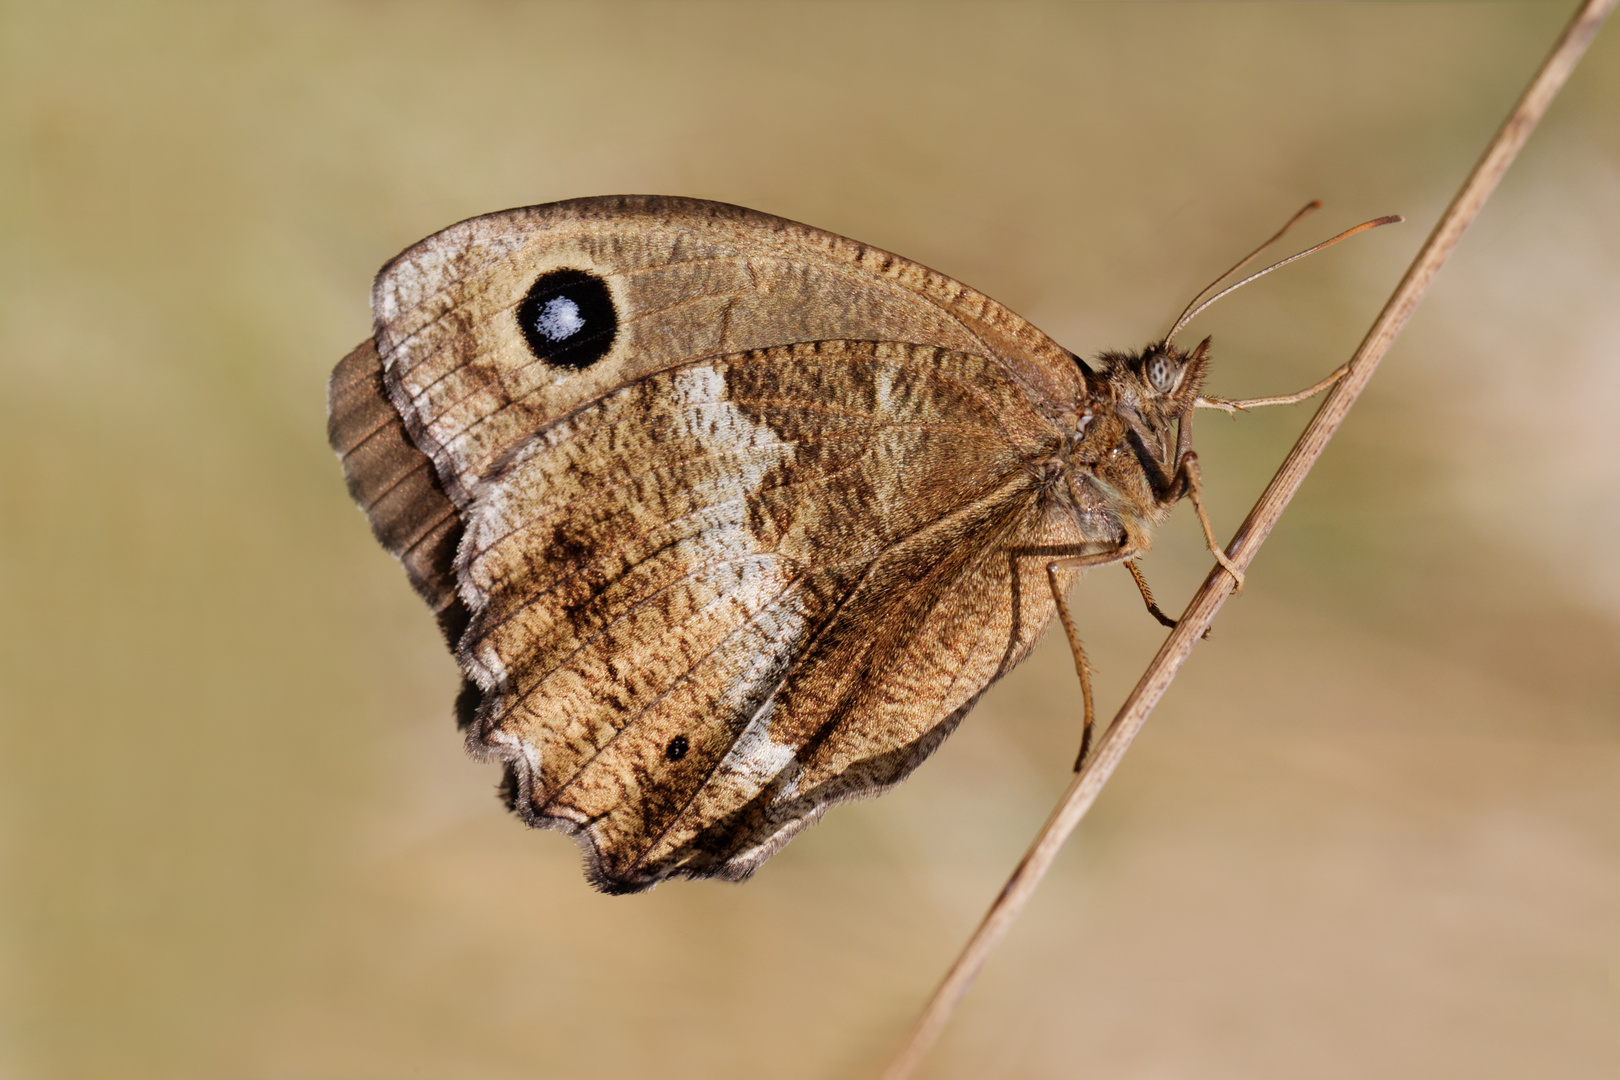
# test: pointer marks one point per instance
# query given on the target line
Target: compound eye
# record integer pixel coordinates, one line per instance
(1162, 374)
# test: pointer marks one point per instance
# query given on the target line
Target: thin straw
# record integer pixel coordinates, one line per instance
(1083, 790)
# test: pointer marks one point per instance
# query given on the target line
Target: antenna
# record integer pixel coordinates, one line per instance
(1192, 310)
(1304, 211)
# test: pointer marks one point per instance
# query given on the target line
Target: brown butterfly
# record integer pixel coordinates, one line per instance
(728, 519)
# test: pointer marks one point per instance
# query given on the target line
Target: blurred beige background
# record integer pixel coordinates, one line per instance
(1373, 831)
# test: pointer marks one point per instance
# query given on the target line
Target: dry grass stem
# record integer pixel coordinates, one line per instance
(1083, 790)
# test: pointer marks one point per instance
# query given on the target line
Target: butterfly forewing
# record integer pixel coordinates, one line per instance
(739, 500)
(688, 279)
(395, 483)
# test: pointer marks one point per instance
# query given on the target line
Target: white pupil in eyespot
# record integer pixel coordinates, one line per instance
(560, 318)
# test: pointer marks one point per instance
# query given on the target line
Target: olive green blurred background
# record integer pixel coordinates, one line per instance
(1374, 830)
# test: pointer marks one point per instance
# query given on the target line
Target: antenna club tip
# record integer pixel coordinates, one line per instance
(1314, 204)
(1391, 219)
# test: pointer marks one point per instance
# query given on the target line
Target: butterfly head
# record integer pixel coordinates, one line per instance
(1160, 383)
(1148, 397)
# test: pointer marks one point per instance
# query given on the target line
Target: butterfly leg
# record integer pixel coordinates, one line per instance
(1081, 667)
(1147, 595)
(1188, 474)
(1229, 405)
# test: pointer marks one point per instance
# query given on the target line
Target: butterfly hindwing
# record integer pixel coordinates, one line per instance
(697, 561)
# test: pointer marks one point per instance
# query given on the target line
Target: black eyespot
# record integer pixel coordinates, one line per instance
(677, 748)
(568, 318)
(1161, 373)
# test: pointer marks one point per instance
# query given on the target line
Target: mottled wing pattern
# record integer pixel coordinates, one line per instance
(747, 560)
(697, 631)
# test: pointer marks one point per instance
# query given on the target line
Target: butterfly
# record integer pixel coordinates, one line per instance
(728, 519)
